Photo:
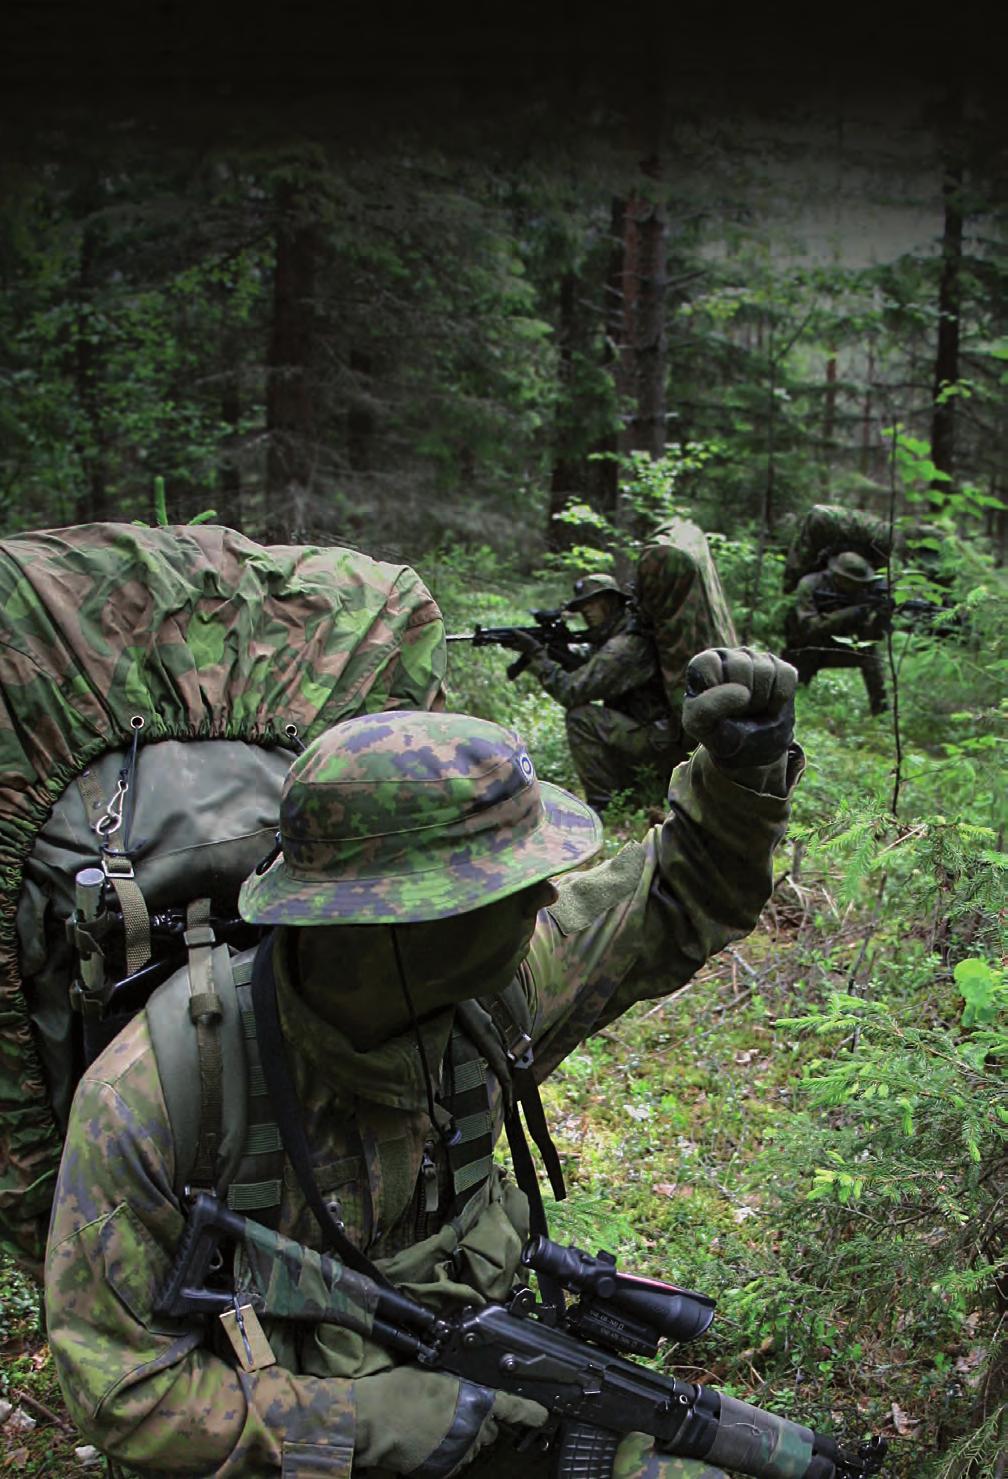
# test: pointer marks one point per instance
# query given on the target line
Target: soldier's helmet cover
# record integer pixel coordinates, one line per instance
(851, 566)
(587, 587)
(402, 817)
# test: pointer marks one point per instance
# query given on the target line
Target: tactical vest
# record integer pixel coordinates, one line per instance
(226, 1137)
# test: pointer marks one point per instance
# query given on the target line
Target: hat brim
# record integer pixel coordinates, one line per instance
(576, 603)
(474, 871)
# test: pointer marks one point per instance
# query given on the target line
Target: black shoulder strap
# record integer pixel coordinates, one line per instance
(287, 1109)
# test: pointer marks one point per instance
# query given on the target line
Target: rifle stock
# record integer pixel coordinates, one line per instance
(594, 1394)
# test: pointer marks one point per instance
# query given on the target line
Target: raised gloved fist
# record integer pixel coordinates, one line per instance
(740, 705)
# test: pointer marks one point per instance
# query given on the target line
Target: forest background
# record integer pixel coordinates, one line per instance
(493, 317)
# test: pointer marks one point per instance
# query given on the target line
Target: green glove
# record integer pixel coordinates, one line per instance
(427, 1423)
(740, 705)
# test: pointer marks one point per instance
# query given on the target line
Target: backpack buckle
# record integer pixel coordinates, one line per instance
(83, 1002)
(520, 1054)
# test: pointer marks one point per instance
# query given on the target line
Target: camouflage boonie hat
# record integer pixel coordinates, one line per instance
(400, 817)
(587, 587)
(851, 566)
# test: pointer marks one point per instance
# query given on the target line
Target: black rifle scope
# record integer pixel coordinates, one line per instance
(644, 1308)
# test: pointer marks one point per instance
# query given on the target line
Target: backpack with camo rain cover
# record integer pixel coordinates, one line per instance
(826, 530)
(679, 594)
(154, 686)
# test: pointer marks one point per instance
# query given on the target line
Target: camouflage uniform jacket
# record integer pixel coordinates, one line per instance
(807, 624)
(624, 673)
(161, 1395)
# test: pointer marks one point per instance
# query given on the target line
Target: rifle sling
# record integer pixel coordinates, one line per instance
(287, 1109)
(525, 1173)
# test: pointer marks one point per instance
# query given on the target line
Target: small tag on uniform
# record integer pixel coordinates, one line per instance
(247, 1337)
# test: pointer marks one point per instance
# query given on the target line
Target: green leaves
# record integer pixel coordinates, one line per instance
(984, 991)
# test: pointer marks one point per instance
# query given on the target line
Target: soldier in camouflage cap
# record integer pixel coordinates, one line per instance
(414, 817)
(846, 599)
(618, 725)
(590, 588)
(418, 938)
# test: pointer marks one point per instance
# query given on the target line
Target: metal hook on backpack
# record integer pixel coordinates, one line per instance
(110, 823)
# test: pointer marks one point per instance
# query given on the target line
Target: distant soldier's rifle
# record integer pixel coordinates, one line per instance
(550, 630)
(877, 596)
(567, 1359)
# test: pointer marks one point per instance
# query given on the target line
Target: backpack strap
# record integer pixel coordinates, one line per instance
(257, 1186)
(512, 1018)
(205, 1014)
(213, 1057)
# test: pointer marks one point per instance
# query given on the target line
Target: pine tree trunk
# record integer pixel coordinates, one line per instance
(866, 416)
(829, 418)
(566, 478)
(946, 372)
(360, 421)
(649, 328)
(603, 475)
(643, 359)
(290, 421)
(92, 443)
(643, 340)
(229, 470)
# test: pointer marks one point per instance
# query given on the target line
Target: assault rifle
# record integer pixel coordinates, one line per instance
(570, 1360)
(915, 611)
(876, 596)
(550, 629)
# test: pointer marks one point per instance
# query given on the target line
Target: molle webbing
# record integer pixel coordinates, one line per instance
(468, 1100)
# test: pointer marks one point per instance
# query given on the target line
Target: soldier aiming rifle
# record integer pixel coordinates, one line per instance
(550, 632)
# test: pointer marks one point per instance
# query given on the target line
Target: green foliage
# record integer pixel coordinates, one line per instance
(649, 493)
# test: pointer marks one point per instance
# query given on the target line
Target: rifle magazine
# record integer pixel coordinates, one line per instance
(585, 1452)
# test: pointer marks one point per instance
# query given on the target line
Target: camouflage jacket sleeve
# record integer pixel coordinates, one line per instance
(627, 661)
(640, 924)
(144, 1389)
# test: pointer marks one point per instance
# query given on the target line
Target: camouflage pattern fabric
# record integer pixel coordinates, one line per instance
(680, 595)
(634, 927)
(297, 1283)
(811, 633)
(409, 817)
(612, 752)
(205, 635)
(828, 528)
(637, 1458)
(623, 673)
